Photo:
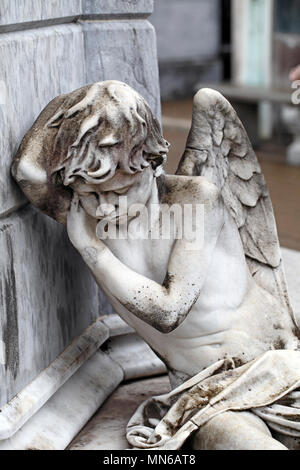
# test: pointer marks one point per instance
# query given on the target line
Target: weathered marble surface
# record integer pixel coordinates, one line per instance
(106, 430)
(25, 11)
(128, 8)
(27, 402)
(116, 326)
(64, 415)
(36, 66)
(123, 51)
(44, 305)
(134, 356)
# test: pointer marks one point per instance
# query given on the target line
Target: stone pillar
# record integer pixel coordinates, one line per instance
(47, 48)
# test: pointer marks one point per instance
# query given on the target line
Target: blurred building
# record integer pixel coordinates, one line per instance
(188, 44)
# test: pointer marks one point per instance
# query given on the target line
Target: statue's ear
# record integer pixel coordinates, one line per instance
(157, 162)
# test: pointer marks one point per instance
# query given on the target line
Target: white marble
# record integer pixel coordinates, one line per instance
(48, 297)
(205, 293)
(63, 416)
(126, 8)
(20, 12)
(196, 301)
(107, 428)
(117, 326)
(27, 402)
(134, 356)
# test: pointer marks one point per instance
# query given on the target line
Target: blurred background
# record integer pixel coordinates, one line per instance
(246, 49)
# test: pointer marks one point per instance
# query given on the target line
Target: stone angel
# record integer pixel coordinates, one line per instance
(214, 308)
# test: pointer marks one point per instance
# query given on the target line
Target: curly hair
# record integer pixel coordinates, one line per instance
(111, 127)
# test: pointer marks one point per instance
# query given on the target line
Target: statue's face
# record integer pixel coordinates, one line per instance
(106, 200)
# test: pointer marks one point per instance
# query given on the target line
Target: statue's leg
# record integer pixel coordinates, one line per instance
(292, 443)
(235, 430)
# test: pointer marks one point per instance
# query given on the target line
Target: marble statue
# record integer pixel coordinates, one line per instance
(214, 308)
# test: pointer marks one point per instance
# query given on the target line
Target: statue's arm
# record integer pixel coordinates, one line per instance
(165, 306)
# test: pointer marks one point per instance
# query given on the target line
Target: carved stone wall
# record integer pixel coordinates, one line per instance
(47, 48)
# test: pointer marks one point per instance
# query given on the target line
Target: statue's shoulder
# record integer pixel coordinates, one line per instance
(190, 189)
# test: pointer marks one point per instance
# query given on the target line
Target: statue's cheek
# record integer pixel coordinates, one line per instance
(90, 204)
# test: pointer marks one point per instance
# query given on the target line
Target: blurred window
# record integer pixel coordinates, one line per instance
(287, 16)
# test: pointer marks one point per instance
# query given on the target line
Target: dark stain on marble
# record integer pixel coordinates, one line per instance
(10, 327)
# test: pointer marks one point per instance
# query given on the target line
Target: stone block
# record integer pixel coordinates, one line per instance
(47, 294)
(126, 8)
(68, 410)
(21, 14)
(123, 50)
(36, 66)
(24, 11)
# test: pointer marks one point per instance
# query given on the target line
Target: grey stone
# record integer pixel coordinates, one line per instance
(107, 428)
(36, 66)
(135, 357)
(68, 410)
(23, 11)
(126, 8)
(117, 326)
(47, 296)
(123, 50)
(29, 400)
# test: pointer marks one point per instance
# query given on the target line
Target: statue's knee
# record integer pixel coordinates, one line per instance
(235, 431)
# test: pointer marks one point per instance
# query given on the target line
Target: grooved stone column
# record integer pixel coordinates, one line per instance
(47, 48)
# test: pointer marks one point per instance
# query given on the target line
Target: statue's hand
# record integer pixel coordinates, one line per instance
(81, 228)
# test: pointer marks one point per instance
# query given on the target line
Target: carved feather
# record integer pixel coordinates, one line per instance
(218, 148)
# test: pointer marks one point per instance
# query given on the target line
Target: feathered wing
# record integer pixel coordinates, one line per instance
(218, 148)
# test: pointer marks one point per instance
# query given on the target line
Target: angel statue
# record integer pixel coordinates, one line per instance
(214, 308)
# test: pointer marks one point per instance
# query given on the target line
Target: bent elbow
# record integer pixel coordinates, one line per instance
(170, 323)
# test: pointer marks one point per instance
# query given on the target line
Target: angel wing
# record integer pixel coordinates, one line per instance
(219, 149)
